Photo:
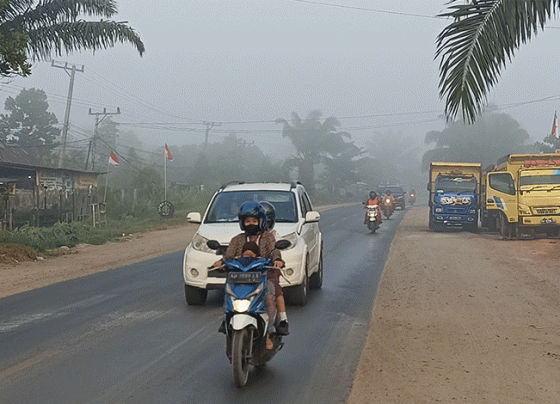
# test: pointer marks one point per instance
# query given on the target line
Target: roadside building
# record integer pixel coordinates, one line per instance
(41, 196)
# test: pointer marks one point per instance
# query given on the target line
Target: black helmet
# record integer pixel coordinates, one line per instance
(270, 214)
(372, 194)
(251, 209)
(388, 192)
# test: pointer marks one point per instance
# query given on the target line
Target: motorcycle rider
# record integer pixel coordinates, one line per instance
(252, 220)
(412, 196)
(389, 201)
(283, 326)
(373, 200)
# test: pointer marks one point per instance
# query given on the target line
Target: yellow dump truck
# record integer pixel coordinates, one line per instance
(454, 195)
(521, 195)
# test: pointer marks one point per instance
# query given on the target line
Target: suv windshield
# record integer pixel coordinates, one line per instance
(394, 190)
(456, 185)
(226, 205)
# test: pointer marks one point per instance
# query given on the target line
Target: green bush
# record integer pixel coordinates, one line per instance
(60, 234)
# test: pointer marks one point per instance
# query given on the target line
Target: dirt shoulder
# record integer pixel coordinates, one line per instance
(86, 260)
(463, 317)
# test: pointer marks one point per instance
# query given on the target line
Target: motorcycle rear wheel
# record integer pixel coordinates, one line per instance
(239, 356)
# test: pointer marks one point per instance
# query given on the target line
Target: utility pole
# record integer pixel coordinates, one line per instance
(72, 73)
(209, 125)
(99, 117)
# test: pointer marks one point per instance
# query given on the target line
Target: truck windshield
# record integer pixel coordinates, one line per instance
(225, 206)
(456, 185)
(544, 179)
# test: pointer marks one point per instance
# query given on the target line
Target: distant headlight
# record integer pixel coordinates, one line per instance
(199, 243)
(292, 238)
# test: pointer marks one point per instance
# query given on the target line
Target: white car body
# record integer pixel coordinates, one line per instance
(303, 259)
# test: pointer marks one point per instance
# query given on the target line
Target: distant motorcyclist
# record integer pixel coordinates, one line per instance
(373, 200)
(389, 202)
(412, 196)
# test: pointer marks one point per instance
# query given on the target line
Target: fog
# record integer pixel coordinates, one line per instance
(244, 63)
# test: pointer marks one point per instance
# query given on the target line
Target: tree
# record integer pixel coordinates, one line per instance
(492, 136)
(476, 45)
(41, 28)
(311, 139)
(29, 124)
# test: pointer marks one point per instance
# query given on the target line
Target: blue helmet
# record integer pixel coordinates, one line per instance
(253, 209)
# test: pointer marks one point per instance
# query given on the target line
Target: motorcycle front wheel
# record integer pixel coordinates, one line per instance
(239, 356)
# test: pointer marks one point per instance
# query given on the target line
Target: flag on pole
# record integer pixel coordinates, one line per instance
(168, 153)
(113, 158)
(554, 131)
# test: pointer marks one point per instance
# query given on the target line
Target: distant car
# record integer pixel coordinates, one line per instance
(296, 221)
(398, 194)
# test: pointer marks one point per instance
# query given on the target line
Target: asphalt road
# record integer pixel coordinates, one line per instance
(127, 335)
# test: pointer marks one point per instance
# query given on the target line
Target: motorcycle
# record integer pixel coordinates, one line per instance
(246, 319)
(411, 198)
(372, 220)
(388, 207)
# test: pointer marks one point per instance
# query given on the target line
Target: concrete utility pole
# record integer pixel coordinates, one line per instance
(209, 125)
(99, 116)
(72, 73)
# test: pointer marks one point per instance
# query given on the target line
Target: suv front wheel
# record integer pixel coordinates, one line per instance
(297, 295)
(195, 296)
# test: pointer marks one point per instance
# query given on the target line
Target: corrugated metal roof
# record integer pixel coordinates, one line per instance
(16, 155)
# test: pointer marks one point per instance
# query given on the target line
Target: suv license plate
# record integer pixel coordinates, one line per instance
(244, 277)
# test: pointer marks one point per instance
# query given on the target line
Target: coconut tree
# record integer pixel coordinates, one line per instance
(475, 47)
(310, 137)
(40, 28)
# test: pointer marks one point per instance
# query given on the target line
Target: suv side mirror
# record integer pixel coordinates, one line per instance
(312, 217)
(194, 217)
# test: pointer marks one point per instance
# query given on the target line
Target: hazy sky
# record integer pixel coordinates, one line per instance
(247, 62)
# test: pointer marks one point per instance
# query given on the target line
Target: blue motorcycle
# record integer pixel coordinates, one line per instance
(246, 319)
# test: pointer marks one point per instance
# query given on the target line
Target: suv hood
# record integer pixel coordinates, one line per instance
(224, 232)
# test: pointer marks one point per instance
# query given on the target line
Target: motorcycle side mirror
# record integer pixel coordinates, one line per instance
(282, 244)
(213, 244)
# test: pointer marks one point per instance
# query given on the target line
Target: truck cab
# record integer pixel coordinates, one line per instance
(522, 195)
(454, 195)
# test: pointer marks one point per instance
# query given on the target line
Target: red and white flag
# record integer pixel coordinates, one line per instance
(554, 131)
(168, 153)
(113, 158)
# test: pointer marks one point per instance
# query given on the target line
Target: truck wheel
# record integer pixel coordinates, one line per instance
(195, 296)
(507, 230)
(240, 356)
(431, 223)
(316, 280)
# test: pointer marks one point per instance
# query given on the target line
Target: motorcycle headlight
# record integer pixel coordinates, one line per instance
(241, 305)
(388, 201)
(292, 238)
(199, 243)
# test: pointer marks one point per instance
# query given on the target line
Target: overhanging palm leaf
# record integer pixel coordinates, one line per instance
(474, 47)
(53, 26)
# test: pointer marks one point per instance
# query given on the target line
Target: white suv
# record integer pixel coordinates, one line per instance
(296, 221)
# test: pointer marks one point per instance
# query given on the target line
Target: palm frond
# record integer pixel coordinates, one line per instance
(80, 35)
(476, 45)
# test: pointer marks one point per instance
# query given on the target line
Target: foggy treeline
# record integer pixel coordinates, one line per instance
(325, 159)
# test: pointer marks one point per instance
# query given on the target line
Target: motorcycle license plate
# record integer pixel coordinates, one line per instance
(244, 277)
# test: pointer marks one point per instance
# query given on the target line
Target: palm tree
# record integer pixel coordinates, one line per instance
(40, 28)
(476, 45)
(310, 137)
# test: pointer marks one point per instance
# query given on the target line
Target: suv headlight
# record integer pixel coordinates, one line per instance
(292, 238)
(199, 243)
